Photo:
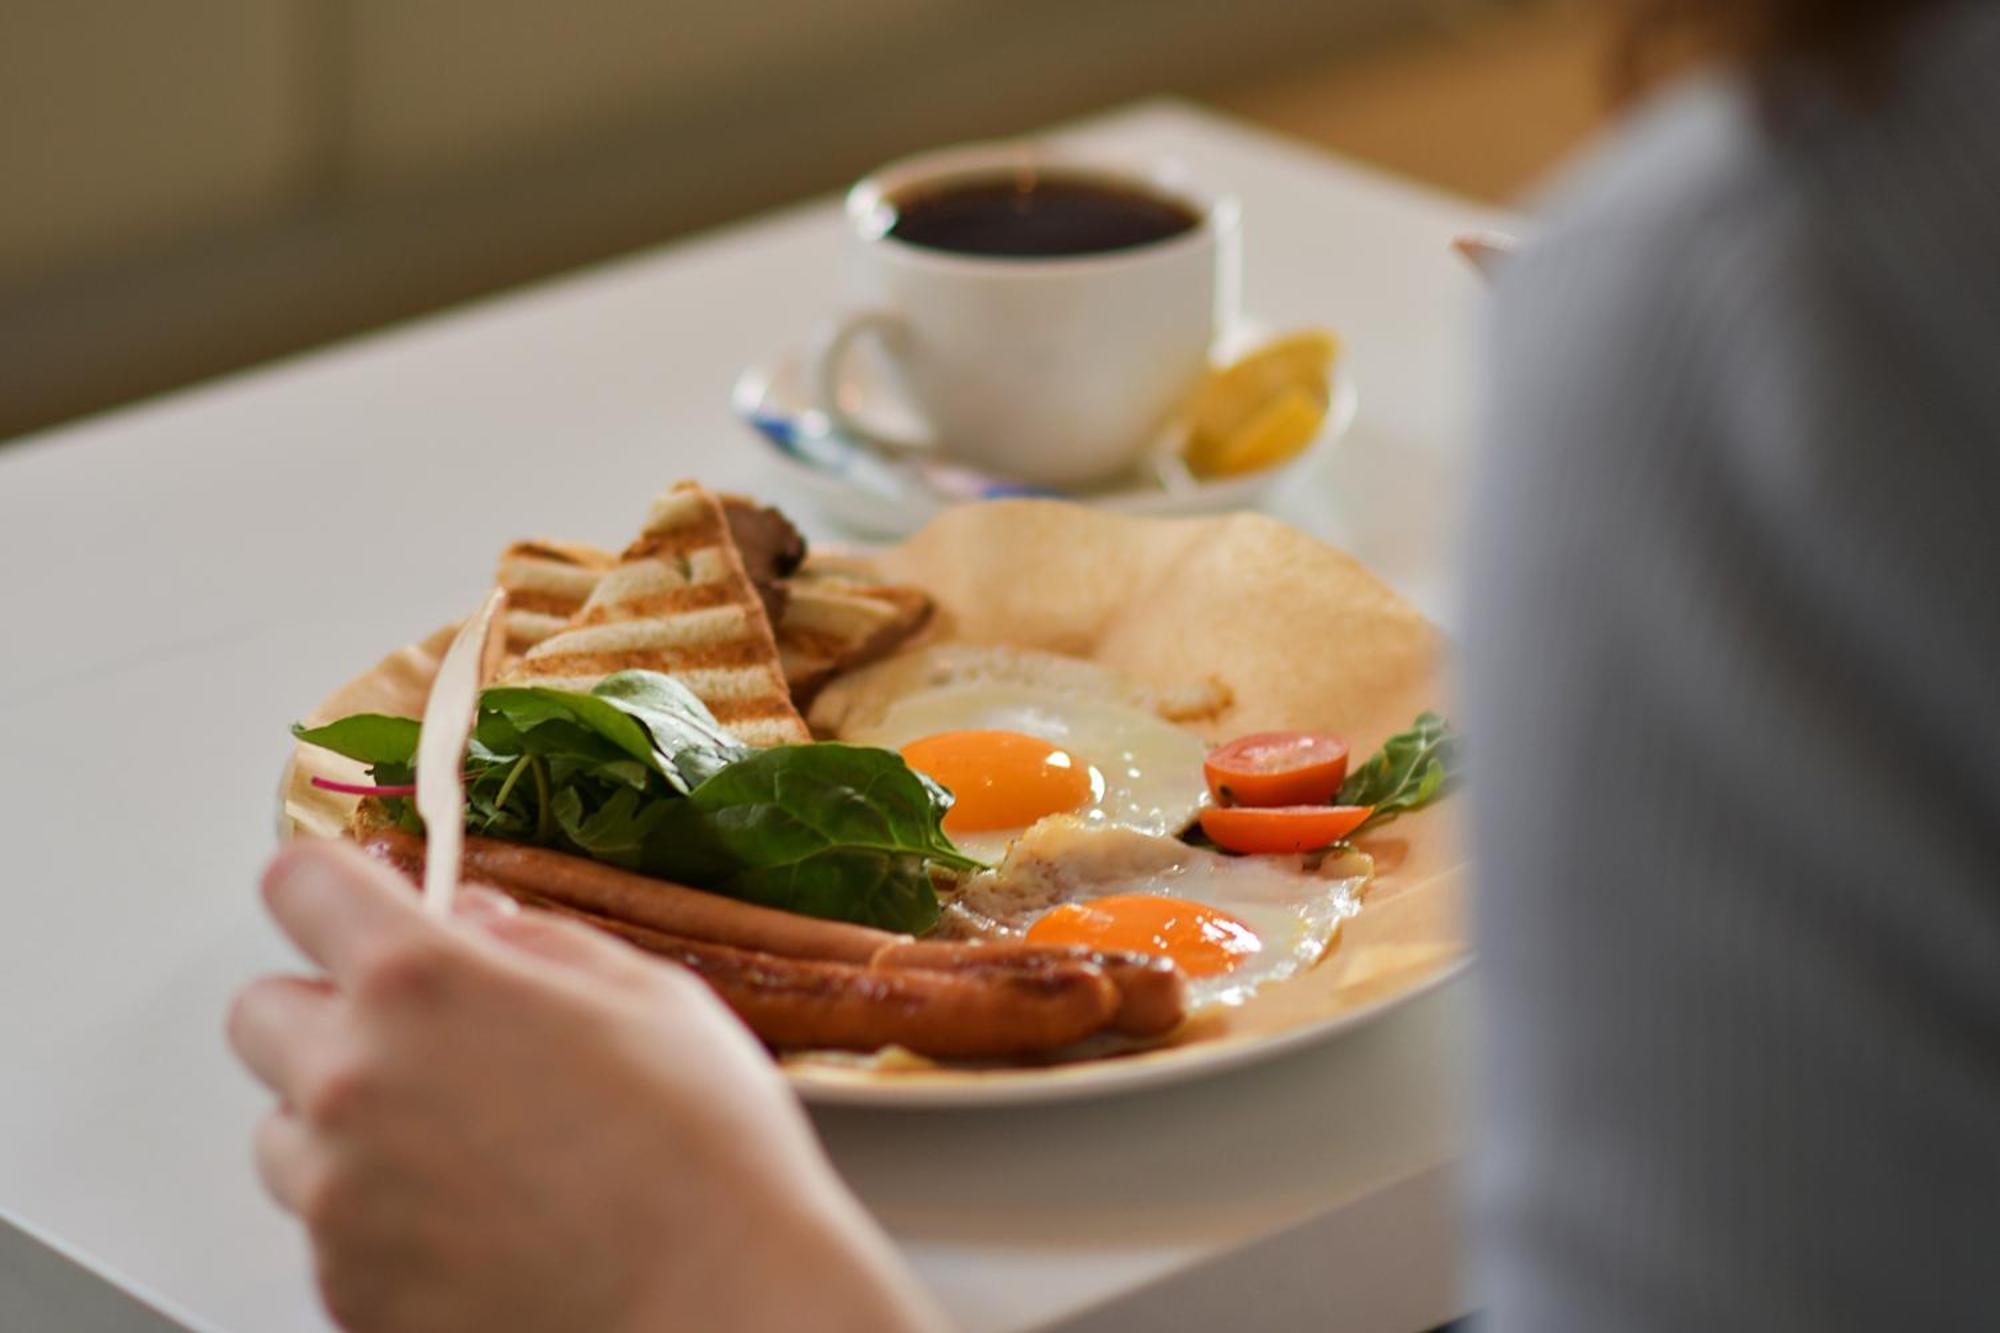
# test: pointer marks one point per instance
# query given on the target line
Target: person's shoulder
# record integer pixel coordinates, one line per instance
(1684, 175)
(1666, 255)
(1713, 190)
(1688, 152)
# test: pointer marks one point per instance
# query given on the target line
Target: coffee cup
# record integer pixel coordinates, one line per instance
(1042, 313)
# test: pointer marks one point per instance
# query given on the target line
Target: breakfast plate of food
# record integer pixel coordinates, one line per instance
(1044, 802)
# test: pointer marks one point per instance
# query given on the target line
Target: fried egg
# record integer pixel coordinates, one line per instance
(1014, 754)
(1232, 924)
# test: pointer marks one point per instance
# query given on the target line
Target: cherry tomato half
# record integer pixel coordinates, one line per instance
(1277, 768)
(1283, 828)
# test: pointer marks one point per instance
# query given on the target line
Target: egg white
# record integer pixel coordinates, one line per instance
(1292, 914)
(1294, 908)
(1145, 772)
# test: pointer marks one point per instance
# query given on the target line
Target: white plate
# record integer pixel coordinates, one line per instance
(881, 497)
(834, 1081)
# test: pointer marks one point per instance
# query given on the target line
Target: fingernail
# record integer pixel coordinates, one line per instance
(483, 904)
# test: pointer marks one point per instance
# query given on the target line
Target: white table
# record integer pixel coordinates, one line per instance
(187, 576)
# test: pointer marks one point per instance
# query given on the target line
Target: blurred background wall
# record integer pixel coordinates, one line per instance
(190, 186)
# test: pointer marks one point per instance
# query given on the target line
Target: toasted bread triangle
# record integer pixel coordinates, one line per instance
(547, 583)
(836, 614)
(835, 620)
(677, 601)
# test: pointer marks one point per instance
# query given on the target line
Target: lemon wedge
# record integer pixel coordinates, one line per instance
(1228, 398)
(1275, 432)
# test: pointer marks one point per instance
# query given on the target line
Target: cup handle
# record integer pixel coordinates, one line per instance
(832, 345)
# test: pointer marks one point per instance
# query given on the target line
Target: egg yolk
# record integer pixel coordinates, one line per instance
(1002, 779)
(1204, 941)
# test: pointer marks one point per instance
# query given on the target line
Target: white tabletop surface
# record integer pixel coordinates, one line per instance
(186, 576)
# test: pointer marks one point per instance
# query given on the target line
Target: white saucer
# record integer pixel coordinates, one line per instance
(880, 495)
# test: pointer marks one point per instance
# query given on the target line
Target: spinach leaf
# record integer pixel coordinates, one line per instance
(889, 890)
(830, 830)
(639, 774)
(678, 720)
(778, 804)
(650, 717)
(370, 737)
(1412, 769)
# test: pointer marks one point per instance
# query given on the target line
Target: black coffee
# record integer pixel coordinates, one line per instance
(1036, 215)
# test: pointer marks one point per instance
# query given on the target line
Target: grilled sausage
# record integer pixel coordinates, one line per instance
(1152, 991)
(1149, 994)
(621, 895)
(794, 1003)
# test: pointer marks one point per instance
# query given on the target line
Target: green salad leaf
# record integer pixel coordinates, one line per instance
(369, 737)
(1412, 769)
(807, 823)
(792, 799)
(652, 717)
(638, 773)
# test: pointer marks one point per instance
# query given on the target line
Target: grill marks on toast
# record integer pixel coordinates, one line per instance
(835, 616)
(678, 601)
(834, 621)
(546, 583)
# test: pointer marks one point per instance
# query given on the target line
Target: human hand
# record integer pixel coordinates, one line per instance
(509, 1121)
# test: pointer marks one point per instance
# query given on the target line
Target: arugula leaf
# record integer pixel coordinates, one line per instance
(616, 830)
(1412, 769)
(373, 738)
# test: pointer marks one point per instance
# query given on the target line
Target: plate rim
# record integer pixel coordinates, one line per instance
(1105, 1078)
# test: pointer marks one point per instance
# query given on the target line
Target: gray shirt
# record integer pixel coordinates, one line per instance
(1734, 707)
